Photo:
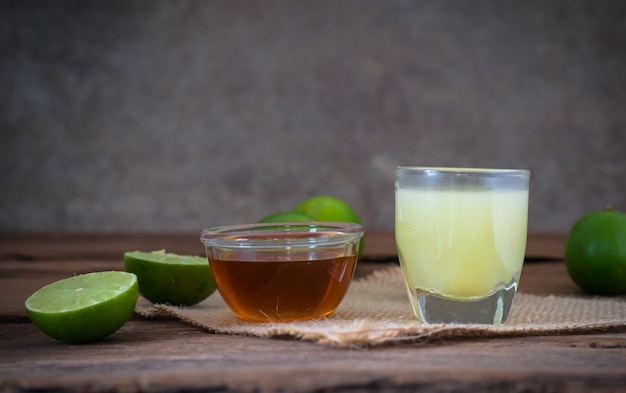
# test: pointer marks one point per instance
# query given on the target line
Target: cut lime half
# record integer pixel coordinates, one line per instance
(179, 280)
(84, 308)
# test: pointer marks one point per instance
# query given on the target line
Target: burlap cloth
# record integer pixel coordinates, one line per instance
(376, 311)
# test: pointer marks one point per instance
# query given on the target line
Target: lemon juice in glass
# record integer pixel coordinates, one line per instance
(461, 240)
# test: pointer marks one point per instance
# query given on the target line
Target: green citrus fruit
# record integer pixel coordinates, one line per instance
(84, 308)
(595, 252)
(286, 217)
(179, 280)
(329, 208)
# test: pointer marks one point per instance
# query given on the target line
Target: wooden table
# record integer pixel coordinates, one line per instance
(171, 356)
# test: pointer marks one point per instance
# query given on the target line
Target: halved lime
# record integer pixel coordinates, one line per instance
(287, 217)
(84, 308)
(179, 280)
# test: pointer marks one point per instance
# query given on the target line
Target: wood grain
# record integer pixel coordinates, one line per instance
(379, 245)
(171, 356)
(149, 355)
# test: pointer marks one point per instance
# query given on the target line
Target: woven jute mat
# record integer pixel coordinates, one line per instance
(376, 311)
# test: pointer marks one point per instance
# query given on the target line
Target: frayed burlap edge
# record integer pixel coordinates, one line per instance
(377, 312)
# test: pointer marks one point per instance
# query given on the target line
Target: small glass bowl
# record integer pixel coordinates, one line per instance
(283, 272)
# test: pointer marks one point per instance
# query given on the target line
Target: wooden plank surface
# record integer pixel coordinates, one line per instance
(379, 245)
(171, 356)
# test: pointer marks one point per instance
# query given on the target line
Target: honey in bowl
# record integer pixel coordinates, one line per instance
(283, 272)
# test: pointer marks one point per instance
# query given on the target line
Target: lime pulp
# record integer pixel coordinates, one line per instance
(84, 308)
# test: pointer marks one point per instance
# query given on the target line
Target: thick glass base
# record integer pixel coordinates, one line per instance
(493, 309)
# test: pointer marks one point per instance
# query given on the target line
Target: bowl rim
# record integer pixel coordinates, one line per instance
(304, 235)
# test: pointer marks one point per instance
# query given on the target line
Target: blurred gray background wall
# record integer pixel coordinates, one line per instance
(178, 115)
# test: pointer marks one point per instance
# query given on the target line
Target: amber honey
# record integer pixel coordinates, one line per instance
(278, 286)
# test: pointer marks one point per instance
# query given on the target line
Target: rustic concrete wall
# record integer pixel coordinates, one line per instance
(177, 115)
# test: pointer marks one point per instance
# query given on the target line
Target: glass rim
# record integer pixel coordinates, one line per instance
(461, 171)
(282, 235)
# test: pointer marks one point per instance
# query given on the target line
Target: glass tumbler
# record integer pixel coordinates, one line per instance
(461, 239)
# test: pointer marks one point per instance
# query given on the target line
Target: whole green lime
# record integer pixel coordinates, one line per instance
(328, 208)
(595, 252)
(84, 308)
(167, 278)
(332, 209)
(318, 208)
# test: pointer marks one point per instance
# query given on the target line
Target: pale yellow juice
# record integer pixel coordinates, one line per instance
(461, 244)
